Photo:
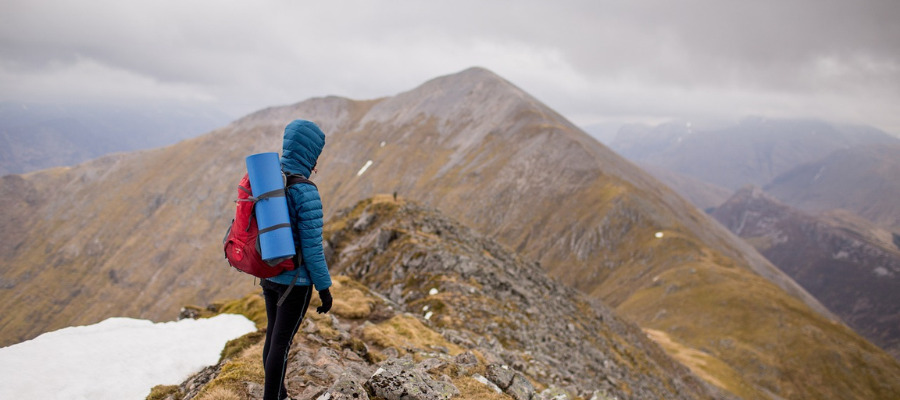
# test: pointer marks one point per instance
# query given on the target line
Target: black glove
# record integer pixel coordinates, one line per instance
(325, 296)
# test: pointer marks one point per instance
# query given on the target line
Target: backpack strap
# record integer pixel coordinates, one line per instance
(272, 193)
(266, 195)
(249, 194)
(293, 281)
(291, 180)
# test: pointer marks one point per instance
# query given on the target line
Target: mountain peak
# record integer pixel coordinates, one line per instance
(751, 191)
(475, 96)
(475, 73)
(472, 76)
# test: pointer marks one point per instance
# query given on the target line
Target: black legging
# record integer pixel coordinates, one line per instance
(282, 325)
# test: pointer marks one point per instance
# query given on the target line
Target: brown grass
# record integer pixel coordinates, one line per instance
(220, 393)
(231, 379)
(352, 300)
(469, 388)
(407, 334)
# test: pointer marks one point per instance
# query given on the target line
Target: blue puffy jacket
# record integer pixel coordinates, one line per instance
(303, 142)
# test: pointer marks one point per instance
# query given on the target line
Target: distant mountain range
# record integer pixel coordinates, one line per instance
(852, 271)
(844, 179)
(145, 240)
(861, 179)
(754, 151)
(40, 136)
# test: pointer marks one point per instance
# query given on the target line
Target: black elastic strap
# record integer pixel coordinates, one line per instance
(293, 281)
(272, 193)
(274, 227)
(294, 179)
(249, 195)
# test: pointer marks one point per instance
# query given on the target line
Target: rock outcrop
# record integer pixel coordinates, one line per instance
(429, 310)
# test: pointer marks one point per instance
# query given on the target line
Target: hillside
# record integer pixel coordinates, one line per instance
(864, 180)
(702, 194)
(430, 295)
(480, 150)
(851, 272)
(754, 151)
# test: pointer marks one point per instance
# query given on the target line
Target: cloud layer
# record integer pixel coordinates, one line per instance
(591, 60)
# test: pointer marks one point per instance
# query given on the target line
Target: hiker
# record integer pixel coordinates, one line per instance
(303, 142)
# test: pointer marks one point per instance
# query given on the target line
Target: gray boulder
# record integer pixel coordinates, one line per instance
(401, 379)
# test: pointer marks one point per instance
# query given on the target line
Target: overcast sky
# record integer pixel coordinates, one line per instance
(593, 61)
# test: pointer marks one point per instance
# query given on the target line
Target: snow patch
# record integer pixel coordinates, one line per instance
(433, 291)
(119, 358)
(364, 168)
(819, 174)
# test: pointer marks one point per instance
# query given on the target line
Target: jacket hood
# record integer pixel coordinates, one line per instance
(303, 142)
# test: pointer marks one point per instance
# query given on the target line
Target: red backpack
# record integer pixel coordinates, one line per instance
(242, 238)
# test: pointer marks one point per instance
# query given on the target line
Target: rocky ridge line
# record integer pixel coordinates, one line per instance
(448, 314)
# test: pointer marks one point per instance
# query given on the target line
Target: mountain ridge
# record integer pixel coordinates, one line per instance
(580, 160)
(852, 274)
(423, 291)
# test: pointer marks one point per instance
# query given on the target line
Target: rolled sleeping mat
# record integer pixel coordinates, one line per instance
(276, 239)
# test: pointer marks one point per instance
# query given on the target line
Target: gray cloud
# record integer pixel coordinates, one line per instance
(590, 60)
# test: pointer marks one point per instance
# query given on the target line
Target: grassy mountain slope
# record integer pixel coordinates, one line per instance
(480, 150)
(702, 194)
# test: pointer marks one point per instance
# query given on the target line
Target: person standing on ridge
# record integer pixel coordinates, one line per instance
(303, 142)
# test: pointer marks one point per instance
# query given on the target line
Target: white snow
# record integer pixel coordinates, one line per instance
(819, 174)
(433, 291)
(658, 235)
(119, 358)
(364, 168)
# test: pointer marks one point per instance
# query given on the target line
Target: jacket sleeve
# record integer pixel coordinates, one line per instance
(307, 215)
